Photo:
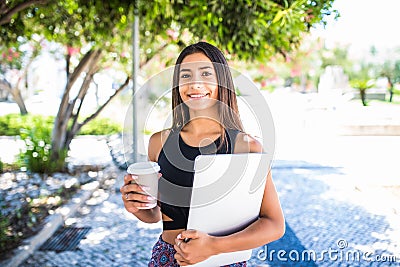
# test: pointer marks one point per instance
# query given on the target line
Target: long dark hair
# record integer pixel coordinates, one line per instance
(228, 110)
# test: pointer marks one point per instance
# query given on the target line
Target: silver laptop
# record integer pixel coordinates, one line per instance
(226, 197)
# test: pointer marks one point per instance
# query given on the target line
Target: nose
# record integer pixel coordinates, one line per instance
(197, 82)
(196, 85)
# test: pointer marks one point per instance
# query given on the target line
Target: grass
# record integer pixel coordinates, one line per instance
(395, 101)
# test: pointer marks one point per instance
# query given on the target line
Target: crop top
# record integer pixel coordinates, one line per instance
(176, 160)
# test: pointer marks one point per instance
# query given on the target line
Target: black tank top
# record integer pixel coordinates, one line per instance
(176, 160)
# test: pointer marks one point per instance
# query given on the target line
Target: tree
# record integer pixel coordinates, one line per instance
(14, 66)
(391, 71)
(362, 78)
(11, 30)
(10, 64)
(101, 33)
(362, 84)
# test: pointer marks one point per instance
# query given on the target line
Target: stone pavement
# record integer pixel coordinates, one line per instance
(332, 218)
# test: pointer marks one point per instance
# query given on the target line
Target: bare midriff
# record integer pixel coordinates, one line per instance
(170, 235)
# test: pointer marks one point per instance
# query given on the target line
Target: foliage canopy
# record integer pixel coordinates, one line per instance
(246, 29)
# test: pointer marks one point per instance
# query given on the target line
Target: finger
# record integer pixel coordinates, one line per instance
(159, 175)
(135, 188)
(190, 234)
(178, 238)
(133, 205)
(180, 247)
(128, 178)
(179, 257)
(124, 189)
(139, 198)
(182, 263)
(179, 241)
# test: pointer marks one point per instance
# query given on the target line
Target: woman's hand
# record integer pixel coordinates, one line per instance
(199, 247)
(134, 196)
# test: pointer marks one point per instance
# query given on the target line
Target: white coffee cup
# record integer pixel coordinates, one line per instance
(147, 175)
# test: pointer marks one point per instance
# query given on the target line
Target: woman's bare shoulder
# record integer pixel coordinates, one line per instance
(156, 142)
(246, 143)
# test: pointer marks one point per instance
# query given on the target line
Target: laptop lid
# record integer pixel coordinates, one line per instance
(226, 197)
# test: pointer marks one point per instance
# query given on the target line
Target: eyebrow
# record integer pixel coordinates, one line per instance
(201, 68)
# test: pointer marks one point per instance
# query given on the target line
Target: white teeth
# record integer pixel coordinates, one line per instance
(197, 96)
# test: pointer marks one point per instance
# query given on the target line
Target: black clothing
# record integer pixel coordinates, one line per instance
(176, 160)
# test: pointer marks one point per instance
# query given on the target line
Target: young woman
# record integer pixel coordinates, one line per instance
(205, 120)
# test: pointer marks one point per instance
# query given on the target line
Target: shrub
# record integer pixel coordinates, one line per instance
(36, 130)
(1, 166)
(100, 126)
(11, 124)
(35, 156)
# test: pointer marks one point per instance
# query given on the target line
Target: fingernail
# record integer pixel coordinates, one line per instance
(150, 198)
(179, 236)
(134, 177)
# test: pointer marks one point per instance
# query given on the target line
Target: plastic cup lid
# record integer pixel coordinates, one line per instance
(146, 167)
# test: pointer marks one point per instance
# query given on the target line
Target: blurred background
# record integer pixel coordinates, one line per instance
(328, 70)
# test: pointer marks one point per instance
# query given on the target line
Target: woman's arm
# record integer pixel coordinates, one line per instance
(268, 227)
(134, 196)
(271, 223)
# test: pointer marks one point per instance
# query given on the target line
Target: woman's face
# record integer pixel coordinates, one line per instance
(198, 85)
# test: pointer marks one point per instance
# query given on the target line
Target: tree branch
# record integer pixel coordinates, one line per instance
(93, 69)
(94, 115)
(6, 14)
(72, 78)
(5, 85)
(86, 60)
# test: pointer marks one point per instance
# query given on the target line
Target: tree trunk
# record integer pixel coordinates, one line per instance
(64, 113)
(390, 89)
(363, 97)
(20, 101)
(16, 94)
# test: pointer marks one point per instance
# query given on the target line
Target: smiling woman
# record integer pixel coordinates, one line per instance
(205, 121)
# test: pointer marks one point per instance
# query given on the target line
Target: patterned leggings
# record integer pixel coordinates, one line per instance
(163, 256)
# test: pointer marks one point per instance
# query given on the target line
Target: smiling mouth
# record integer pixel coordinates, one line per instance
(197, 96)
